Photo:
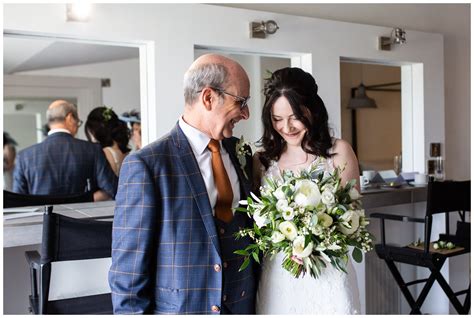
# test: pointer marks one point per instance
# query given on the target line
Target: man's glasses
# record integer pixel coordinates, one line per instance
(79, 123)
(242, 100)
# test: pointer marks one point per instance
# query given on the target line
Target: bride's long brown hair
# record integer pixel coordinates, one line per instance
(301, 91)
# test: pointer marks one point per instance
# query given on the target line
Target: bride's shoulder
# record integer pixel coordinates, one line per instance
(341, 152)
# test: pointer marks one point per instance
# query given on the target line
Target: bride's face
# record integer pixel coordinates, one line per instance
(285, 122)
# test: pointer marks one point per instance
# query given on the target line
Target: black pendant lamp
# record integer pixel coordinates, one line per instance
(360, 99)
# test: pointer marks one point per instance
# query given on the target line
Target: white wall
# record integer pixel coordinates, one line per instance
(124, 91)
(176, 29)
(453, 21)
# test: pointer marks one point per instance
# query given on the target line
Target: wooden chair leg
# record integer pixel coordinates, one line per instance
(447, 290)
(415, 309)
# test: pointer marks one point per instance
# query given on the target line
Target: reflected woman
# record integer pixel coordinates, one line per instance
(103, 126)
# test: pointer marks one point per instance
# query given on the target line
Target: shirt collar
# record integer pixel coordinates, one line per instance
(196, 138)
(57, 130)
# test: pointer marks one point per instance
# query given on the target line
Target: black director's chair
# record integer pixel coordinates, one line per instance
(447, 197)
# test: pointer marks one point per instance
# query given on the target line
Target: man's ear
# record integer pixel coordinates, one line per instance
(207, 98)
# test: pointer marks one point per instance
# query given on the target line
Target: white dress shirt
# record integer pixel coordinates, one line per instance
(199, 141)
(53, 131)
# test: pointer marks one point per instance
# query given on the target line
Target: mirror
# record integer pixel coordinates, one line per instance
(374, 133)
(258, 67)
(41, 69)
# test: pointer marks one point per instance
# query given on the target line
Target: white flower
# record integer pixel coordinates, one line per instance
(350, 222)
(281, 205)
(329, 187)
(260, 220)
(299, 249)
(324, 219)
(307, 193)
(277, 236)
(328, 197)
(288, 229)
(354, 194)
(279, 194)
(288, 213)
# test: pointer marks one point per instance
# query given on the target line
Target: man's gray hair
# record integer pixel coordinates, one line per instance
(202, 76)
(59, 113)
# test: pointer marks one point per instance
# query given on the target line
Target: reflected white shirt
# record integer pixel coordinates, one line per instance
(199, 141)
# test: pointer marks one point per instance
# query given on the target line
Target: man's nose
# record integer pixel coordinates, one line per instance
(245, 112)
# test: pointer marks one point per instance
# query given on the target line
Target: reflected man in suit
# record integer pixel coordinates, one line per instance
(62, 164)
(173, 237)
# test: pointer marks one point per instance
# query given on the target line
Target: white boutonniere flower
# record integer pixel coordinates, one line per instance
(242, 152)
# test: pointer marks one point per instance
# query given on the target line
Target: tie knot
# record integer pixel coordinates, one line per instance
(214, 146)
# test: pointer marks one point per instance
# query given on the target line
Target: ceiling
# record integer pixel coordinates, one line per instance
(28, 54)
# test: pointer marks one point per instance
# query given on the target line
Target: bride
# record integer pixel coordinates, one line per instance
(296, 133)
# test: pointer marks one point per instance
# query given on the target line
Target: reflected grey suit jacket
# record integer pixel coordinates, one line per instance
(61, 164)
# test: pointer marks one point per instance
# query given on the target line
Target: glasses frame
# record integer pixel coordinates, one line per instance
(242, 100)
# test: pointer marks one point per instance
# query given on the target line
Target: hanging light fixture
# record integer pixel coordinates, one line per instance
(359, 98)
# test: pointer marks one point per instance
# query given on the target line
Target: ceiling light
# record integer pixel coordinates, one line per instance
(78, 12)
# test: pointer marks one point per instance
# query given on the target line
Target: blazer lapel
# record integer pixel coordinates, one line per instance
(190, 168)
(245, 184)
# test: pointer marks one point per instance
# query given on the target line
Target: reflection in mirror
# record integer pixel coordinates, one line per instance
(375, 133)
(258, 67)
(41, 69)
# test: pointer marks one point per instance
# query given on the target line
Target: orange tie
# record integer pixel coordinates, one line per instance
(224, 189)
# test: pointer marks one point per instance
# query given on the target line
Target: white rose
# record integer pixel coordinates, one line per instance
(324, 219)
(281, 205)
(307, 193)
(350, 218)
(329, 187)
(328, 197)
(354, 194)
(299, 249)
(288, 229)
(279, 194)
(260, 220)
(277, 236)
(288, 214)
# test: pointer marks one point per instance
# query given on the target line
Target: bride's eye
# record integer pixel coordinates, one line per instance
(276, 119)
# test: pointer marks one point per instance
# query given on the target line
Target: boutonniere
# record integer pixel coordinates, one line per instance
(242, 151)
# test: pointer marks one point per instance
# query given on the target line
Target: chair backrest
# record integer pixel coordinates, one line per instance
(448, 196)
(13, 200)
(68, 239)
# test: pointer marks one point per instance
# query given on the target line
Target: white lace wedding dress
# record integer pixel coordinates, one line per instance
(334, 292)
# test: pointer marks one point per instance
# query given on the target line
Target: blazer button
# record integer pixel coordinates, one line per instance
(224, 298)
(217, 267)
(215, 308)
(225, 264)
(222, 231)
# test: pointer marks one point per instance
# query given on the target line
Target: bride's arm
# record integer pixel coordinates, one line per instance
(344, 155)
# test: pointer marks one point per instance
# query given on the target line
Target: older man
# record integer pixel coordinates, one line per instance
(62, 164)
(173, 244)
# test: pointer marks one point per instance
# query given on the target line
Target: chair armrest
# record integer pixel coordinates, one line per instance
(33, 258)
(395, 217)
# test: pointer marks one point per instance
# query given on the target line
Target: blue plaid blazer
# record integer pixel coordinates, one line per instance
(164, 243)
(61, 164)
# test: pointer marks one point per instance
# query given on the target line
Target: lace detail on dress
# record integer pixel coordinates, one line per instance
(334, 292)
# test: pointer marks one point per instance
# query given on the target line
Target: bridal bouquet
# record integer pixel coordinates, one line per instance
(310, 217)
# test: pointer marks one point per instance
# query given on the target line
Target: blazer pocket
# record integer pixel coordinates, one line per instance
(166, 300)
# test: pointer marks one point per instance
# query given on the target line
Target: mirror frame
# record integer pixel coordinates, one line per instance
(146, 63)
